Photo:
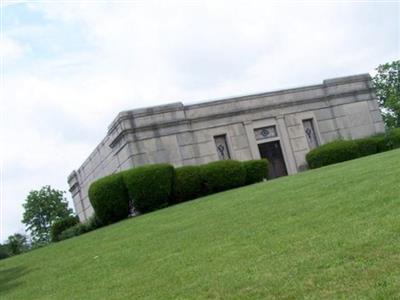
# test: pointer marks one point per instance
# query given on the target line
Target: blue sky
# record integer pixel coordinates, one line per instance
(71, 66)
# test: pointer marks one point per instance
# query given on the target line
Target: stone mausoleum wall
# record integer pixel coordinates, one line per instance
(298, 119)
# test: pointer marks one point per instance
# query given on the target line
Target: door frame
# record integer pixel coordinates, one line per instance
(251, 125)
(281, 150)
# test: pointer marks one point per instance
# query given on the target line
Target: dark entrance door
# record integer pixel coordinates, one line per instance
(273, 152)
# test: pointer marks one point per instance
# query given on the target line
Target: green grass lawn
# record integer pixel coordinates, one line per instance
(330, 233)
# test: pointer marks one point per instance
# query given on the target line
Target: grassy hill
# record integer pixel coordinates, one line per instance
(329, 233)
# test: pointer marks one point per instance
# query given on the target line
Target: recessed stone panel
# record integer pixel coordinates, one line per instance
(185, 138)
(326, 126)
(208, 148)
(111, 166)
(379, 127)
(358, 114)
(126, 165)
(237, 129)
(207, 159)
(140, 159)
(323, 114)
(292, 120)
(189, 151)
(361, 131)
(376, 116)
(296, 131)
(124, 153)
(300, 158)
(243, 155)
(239, 142)
(329, 136)
(342, 122)
(202, 136)
(299, 144)
(189, 162)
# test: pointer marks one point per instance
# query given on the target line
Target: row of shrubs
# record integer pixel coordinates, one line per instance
(152, 187)
(69, 227)
(342, 150)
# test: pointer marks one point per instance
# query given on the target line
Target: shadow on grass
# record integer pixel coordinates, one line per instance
(10, 279)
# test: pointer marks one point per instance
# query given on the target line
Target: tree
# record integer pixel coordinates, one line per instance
(387, 86)
(4, 251)
(42, 209)
(17, 243)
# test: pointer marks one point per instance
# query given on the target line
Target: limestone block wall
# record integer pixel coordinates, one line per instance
(101, 162)
(343, 107)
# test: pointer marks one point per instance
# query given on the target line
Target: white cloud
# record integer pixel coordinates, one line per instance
(11, 50)
(96, 59)
(5, 3)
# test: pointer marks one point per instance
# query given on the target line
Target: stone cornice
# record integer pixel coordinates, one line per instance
(226, 114)
(141, 112)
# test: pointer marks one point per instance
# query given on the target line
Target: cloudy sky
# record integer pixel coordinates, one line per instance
(70, 67)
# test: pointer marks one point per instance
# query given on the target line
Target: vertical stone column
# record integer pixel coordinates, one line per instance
(336, 112)
(76, 193)
(287, 148)
(255, 153)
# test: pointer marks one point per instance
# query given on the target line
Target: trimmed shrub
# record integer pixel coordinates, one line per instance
(393, 138)
(331, 153)
(188, 183)
(343, 150)
(60, 225)
(109, 198)
(92, 223)
(256, 170)
(368, 146)
(223, 175)
(150, 186)
(80, 228)
(389, 140)
(4, 251)
(75, 230)
(382, 142)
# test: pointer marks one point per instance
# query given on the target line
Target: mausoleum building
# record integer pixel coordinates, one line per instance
(281, 126)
